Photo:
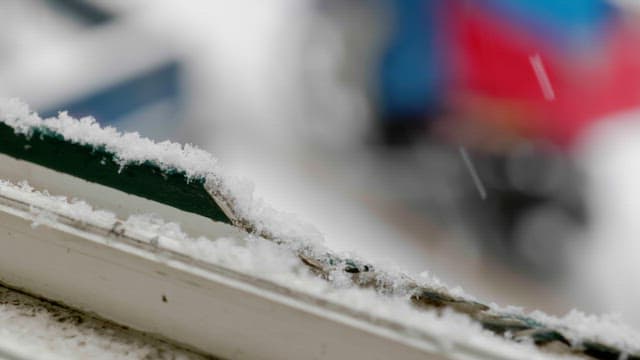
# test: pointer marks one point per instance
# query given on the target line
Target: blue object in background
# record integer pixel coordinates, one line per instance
(411, 76)
(149, 103)
(568, 25)
(85, 12)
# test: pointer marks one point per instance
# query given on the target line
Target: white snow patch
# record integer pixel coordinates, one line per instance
(578, 326)
(128, 148)
(29, 330)
(42, 217)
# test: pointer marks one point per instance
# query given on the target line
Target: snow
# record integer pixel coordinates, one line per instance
(279, 264)
(131, 148)
(263, 259)
(33, 329)
(128, 148)
(274, 261)
(609, 328)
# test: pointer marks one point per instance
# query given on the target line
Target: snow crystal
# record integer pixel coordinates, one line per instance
(578, 326)
(237, 254)
(42, 217)
(75, 209)
(128, 148)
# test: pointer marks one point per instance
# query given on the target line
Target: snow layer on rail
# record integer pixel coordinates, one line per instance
(128, 148)
(131, 148)
(609, 329)
(278, 264)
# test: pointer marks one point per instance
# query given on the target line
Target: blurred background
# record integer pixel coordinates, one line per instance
(493, 143)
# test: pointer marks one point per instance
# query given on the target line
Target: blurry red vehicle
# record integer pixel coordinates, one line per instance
(519, 77)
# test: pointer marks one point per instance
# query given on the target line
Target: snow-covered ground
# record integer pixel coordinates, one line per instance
(34, 329)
